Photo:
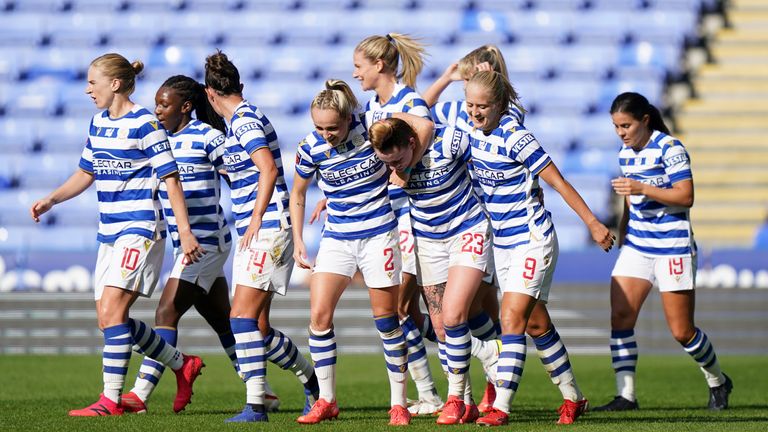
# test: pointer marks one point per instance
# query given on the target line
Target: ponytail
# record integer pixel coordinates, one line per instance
(395, 50)
(337, 96)
(490, 54)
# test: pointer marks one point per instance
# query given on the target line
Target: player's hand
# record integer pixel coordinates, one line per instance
(452, 72)
(190, 247)
(399, 178)
(300, 255)
(251, 234)
(319, 209)
(601, 235)
(626, 186)
(40, 207)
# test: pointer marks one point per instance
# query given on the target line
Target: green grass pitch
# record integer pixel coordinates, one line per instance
(37, 391)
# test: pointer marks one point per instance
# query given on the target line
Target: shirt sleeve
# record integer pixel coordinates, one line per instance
(86, 158)
(418, 107)
(523, 147)
(305, 166)
(445, 113)
(677, 163)
(250, 134)
(153, 141)
(455, 144)
(214, 148)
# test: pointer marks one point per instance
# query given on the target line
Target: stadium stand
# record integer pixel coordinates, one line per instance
(568, 59)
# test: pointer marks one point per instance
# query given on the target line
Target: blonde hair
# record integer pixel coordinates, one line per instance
(499, 87)
(393, 49)
(485, 54)
(115, 66)
(336, 96)
(390, 133)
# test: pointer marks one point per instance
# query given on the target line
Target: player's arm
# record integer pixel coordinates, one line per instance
(432, 94)
(189, 245)
(600, 233)
(679, 195)
(262, 158)
(76, 184)
(297, 205)
(624, 221)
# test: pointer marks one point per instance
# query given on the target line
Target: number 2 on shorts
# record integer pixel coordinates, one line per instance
(389, 264)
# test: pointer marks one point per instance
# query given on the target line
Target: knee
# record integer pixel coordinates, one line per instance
(321, 322)
(535, 329)
(622, 318)
(451, 319)
(683, 334)
(513, 324)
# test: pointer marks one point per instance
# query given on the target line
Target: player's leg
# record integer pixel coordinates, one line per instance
(247, 303)
(516, 308)
(112, 312)
(384, 307)
(258, 273)
(627, 297)
(554, 357)
(462, 286)
(631, 280)
(282, 352)
(418, 362)
(324, 292)
(178, 296)
(428, 401)
(675, 276)
(215, 309)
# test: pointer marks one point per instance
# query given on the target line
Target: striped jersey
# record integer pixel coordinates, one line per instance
(248, 131)
(353, 179)
(127, 156)
(441, 197)
(199, 150)
(654, 228)
(507, 162)
(454, 113)
(406, 100)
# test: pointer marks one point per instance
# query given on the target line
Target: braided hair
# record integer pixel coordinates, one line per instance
(190, 90)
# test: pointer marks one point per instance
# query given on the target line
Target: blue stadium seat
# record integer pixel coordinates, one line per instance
(80, 30)
(24, 29)
(63, 134)
(63, 63)
(112, 6)
(38, 98)
(192, 30)
(538, 27)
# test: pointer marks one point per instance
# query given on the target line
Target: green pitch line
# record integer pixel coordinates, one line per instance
(37, 391)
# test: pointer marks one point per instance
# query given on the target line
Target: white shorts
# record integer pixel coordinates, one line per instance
(407, 245)
(528, 268)
(267, 264)
(670, 273)
(470, 248)
(132, 263)
(206, 270)
(378, 259)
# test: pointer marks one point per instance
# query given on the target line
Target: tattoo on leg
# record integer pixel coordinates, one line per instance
(433, 294)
